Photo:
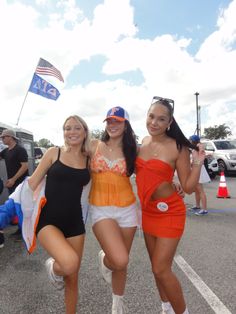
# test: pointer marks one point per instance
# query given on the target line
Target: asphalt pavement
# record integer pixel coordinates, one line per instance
(207, 247)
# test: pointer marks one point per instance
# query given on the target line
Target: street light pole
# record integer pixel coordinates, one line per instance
(197, 112)
(199, 120)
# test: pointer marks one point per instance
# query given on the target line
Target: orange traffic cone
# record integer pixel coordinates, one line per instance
(222, 190)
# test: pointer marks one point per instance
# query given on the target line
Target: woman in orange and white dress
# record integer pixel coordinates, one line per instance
(113, 207)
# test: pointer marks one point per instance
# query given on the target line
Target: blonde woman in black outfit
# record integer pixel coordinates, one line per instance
(61, 230)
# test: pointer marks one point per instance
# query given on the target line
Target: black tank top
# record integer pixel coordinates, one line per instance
(63, 190)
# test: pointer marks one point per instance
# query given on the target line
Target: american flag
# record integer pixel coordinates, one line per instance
(46, 68)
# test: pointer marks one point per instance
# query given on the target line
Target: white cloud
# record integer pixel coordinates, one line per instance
(166, 66)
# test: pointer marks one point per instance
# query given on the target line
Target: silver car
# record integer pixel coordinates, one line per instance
(224, 151)
(212, 166)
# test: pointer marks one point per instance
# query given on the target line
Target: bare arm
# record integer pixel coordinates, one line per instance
(47, 160)
(11, 181)
(93, 146)
(188, 177)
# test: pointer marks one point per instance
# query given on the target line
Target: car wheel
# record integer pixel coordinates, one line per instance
(222, 166)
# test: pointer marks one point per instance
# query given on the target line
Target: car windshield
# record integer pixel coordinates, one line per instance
(225, 144)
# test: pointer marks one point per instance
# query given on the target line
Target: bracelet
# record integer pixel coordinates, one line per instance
(197, 162)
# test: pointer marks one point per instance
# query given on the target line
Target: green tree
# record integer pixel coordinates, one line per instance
(216, 132)
(43, 142)
(97, 134)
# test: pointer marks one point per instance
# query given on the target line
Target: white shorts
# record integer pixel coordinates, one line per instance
(125, 216)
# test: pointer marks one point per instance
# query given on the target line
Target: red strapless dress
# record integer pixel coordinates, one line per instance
(162, 217)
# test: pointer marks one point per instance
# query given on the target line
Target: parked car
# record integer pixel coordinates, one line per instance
(234, 142)
(38, 154)
(212, 167)
(224, 151)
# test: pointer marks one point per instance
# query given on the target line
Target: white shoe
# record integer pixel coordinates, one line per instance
(57, 281)
(167, 308)
(201, 212)
(105, 272)
(118, 306)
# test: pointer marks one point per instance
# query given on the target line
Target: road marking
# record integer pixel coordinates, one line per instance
(214, 302)
(220, 210)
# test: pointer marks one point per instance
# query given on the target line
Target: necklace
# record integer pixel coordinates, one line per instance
(155, 151)
(112, 149)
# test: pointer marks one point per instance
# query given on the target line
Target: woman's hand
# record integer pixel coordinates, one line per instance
(198, 156)
(179, 189)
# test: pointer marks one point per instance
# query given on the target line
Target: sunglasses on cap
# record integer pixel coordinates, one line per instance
(168, 100)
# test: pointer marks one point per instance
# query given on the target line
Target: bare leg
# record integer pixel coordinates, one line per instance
(116, 243)
(119, 277)
(162, 254)
(202, 196)
(197, 195)
(67, 254)
(71, 281)
(150, 245)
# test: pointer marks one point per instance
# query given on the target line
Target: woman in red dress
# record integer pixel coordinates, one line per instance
(165, 150)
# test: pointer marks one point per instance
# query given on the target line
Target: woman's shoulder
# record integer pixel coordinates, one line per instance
(52, 153)
(52, 150)
(93, 146)
(94, 143)
(145, 140)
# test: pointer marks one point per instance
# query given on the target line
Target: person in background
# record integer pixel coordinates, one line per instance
(200, 195)
(165, 150)
(61, 230)
(1, 231)
(113, 207)
(16, 160)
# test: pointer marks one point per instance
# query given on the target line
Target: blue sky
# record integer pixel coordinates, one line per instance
(119, 53)
(195, 19)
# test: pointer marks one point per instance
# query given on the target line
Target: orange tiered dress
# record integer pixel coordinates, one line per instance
(162, 217)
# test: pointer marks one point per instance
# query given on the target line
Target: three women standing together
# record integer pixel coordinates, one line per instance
(113, 208)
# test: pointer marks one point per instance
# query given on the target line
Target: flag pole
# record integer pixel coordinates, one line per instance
(18, 119)
(22, 107)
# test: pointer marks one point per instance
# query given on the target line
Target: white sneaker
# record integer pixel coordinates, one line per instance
(57, 281)
(201, 212)
(167, 308)
(105, 272)
(167, 312)
(118, 306)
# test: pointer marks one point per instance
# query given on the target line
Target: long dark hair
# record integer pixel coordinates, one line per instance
(129, 147)
(174, 130)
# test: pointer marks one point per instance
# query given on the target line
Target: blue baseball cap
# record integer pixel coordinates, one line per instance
(117, 113)
(194, 138)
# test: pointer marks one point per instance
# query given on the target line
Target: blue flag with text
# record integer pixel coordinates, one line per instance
(41, 87)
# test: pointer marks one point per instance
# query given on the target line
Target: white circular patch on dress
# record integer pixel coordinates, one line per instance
(162, 206)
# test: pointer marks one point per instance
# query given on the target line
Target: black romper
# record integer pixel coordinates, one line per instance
(63, 191)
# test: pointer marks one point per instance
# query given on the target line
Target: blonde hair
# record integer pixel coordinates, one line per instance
(85, 145)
